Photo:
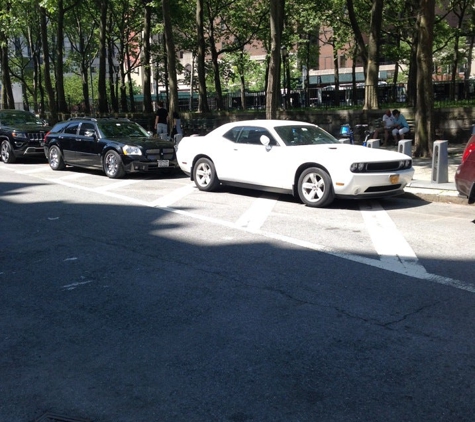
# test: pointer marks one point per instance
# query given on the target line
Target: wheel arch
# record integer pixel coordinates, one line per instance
(195, 159)
(300, 170)
(110, 148)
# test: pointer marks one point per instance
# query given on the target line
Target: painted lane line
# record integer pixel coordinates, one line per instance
(33, 170)
(116, 185)
(174, 196)
(389, 243)
(415, 271)
(73, 176)
(257, 214)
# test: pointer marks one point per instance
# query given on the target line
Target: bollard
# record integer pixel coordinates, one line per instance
(440, 162)
(405, 146)
(373, 143)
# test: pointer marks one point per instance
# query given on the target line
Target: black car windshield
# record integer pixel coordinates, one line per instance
(304, 135)
(121, 129)
(19, 118)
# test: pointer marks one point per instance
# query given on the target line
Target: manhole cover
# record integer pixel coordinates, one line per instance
(50, 417)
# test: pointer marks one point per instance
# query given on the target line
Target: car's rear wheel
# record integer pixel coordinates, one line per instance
(113, 166)
(55, 157)
(315, 187)
(7, 153)
(204, 175)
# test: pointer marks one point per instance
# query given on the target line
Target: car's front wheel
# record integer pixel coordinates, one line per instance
(113, 166)
(7, 153)
(55, 158)
(204, 175)
(315, 187)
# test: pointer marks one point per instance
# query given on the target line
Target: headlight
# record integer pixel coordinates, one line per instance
(131, 150)
(19, 134)
(357, 167)
(405, 164)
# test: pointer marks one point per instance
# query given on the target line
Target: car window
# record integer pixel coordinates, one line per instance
(233, 134)
(72, 128)
(115, 129)
(304, 135)
(87, 129)
(252, 135)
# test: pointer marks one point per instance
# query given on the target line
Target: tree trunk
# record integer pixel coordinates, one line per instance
(47, 71)
(147, 73)
(200, 59)
(425, 132)
(372, 71)
(102, 90)
(58, 65)
(171, 62)
(273, 77)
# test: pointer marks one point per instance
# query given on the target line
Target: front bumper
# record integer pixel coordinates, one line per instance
(138, 166)
(373, 185)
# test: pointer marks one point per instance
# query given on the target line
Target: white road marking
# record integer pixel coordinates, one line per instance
(33, 170)
(414, 270)
(257, 214)
(73, 176)
(116, 185)
(389, 243)
(171, 198)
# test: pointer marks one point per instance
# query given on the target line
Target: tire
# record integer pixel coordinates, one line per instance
(55, 158)
(7, 153)
(315, 188)
(113, 166)
(204, 175)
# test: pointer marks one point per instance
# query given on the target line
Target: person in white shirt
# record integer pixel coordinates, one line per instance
(388, 126)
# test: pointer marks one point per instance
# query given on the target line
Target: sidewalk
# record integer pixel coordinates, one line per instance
(424, 188)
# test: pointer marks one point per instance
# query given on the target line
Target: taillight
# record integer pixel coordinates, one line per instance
(468, 149)
(46, 134)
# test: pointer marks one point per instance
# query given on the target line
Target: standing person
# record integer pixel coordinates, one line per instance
(161, 119)
(388, 126)
(177, 130)
(400, 125)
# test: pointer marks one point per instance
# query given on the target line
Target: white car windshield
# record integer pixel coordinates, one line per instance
(304, 135)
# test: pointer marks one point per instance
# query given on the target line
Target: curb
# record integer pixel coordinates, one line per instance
(429, 195)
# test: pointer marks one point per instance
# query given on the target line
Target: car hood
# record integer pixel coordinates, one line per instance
(26, 128)
(349, 153)
(146, 143)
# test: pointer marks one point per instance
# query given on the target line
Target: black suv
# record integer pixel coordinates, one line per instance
(117, 146)
(21, 135)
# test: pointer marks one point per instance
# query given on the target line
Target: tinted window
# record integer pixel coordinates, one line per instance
(72, 128)
(233, 134)
(19, 118)
(304, 135)
(113, 129)
(252, 135)
(87, 129)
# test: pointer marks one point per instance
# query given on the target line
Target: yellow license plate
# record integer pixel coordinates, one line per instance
(394, 178)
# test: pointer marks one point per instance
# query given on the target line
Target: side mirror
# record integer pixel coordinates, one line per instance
(264, 140)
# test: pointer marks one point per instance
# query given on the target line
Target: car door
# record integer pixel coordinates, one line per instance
(67, 142)
(255, 163)
(88, 145)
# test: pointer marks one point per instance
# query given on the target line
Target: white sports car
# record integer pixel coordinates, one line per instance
(292, 157)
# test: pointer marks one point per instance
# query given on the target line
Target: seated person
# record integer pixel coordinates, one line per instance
(400, 125)
(388, 126)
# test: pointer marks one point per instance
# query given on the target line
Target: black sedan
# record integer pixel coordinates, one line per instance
(117, 146)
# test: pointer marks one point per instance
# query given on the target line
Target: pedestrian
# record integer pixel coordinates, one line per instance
(176, 130)
(400, 125)
(161, 119)
(388, 126)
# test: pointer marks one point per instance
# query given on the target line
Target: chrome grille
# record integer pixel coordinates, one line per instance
(383, 166)
(163, 153)
(36, 136)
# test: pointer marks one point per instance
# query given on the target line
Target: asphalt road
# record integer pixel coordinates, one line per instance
(144, 299)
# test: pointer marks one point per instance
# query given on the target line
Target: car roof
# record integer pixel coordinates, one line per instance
(267, 123)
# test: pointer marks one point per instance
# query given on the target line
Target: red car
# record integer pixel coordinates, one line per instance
(465, 175)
